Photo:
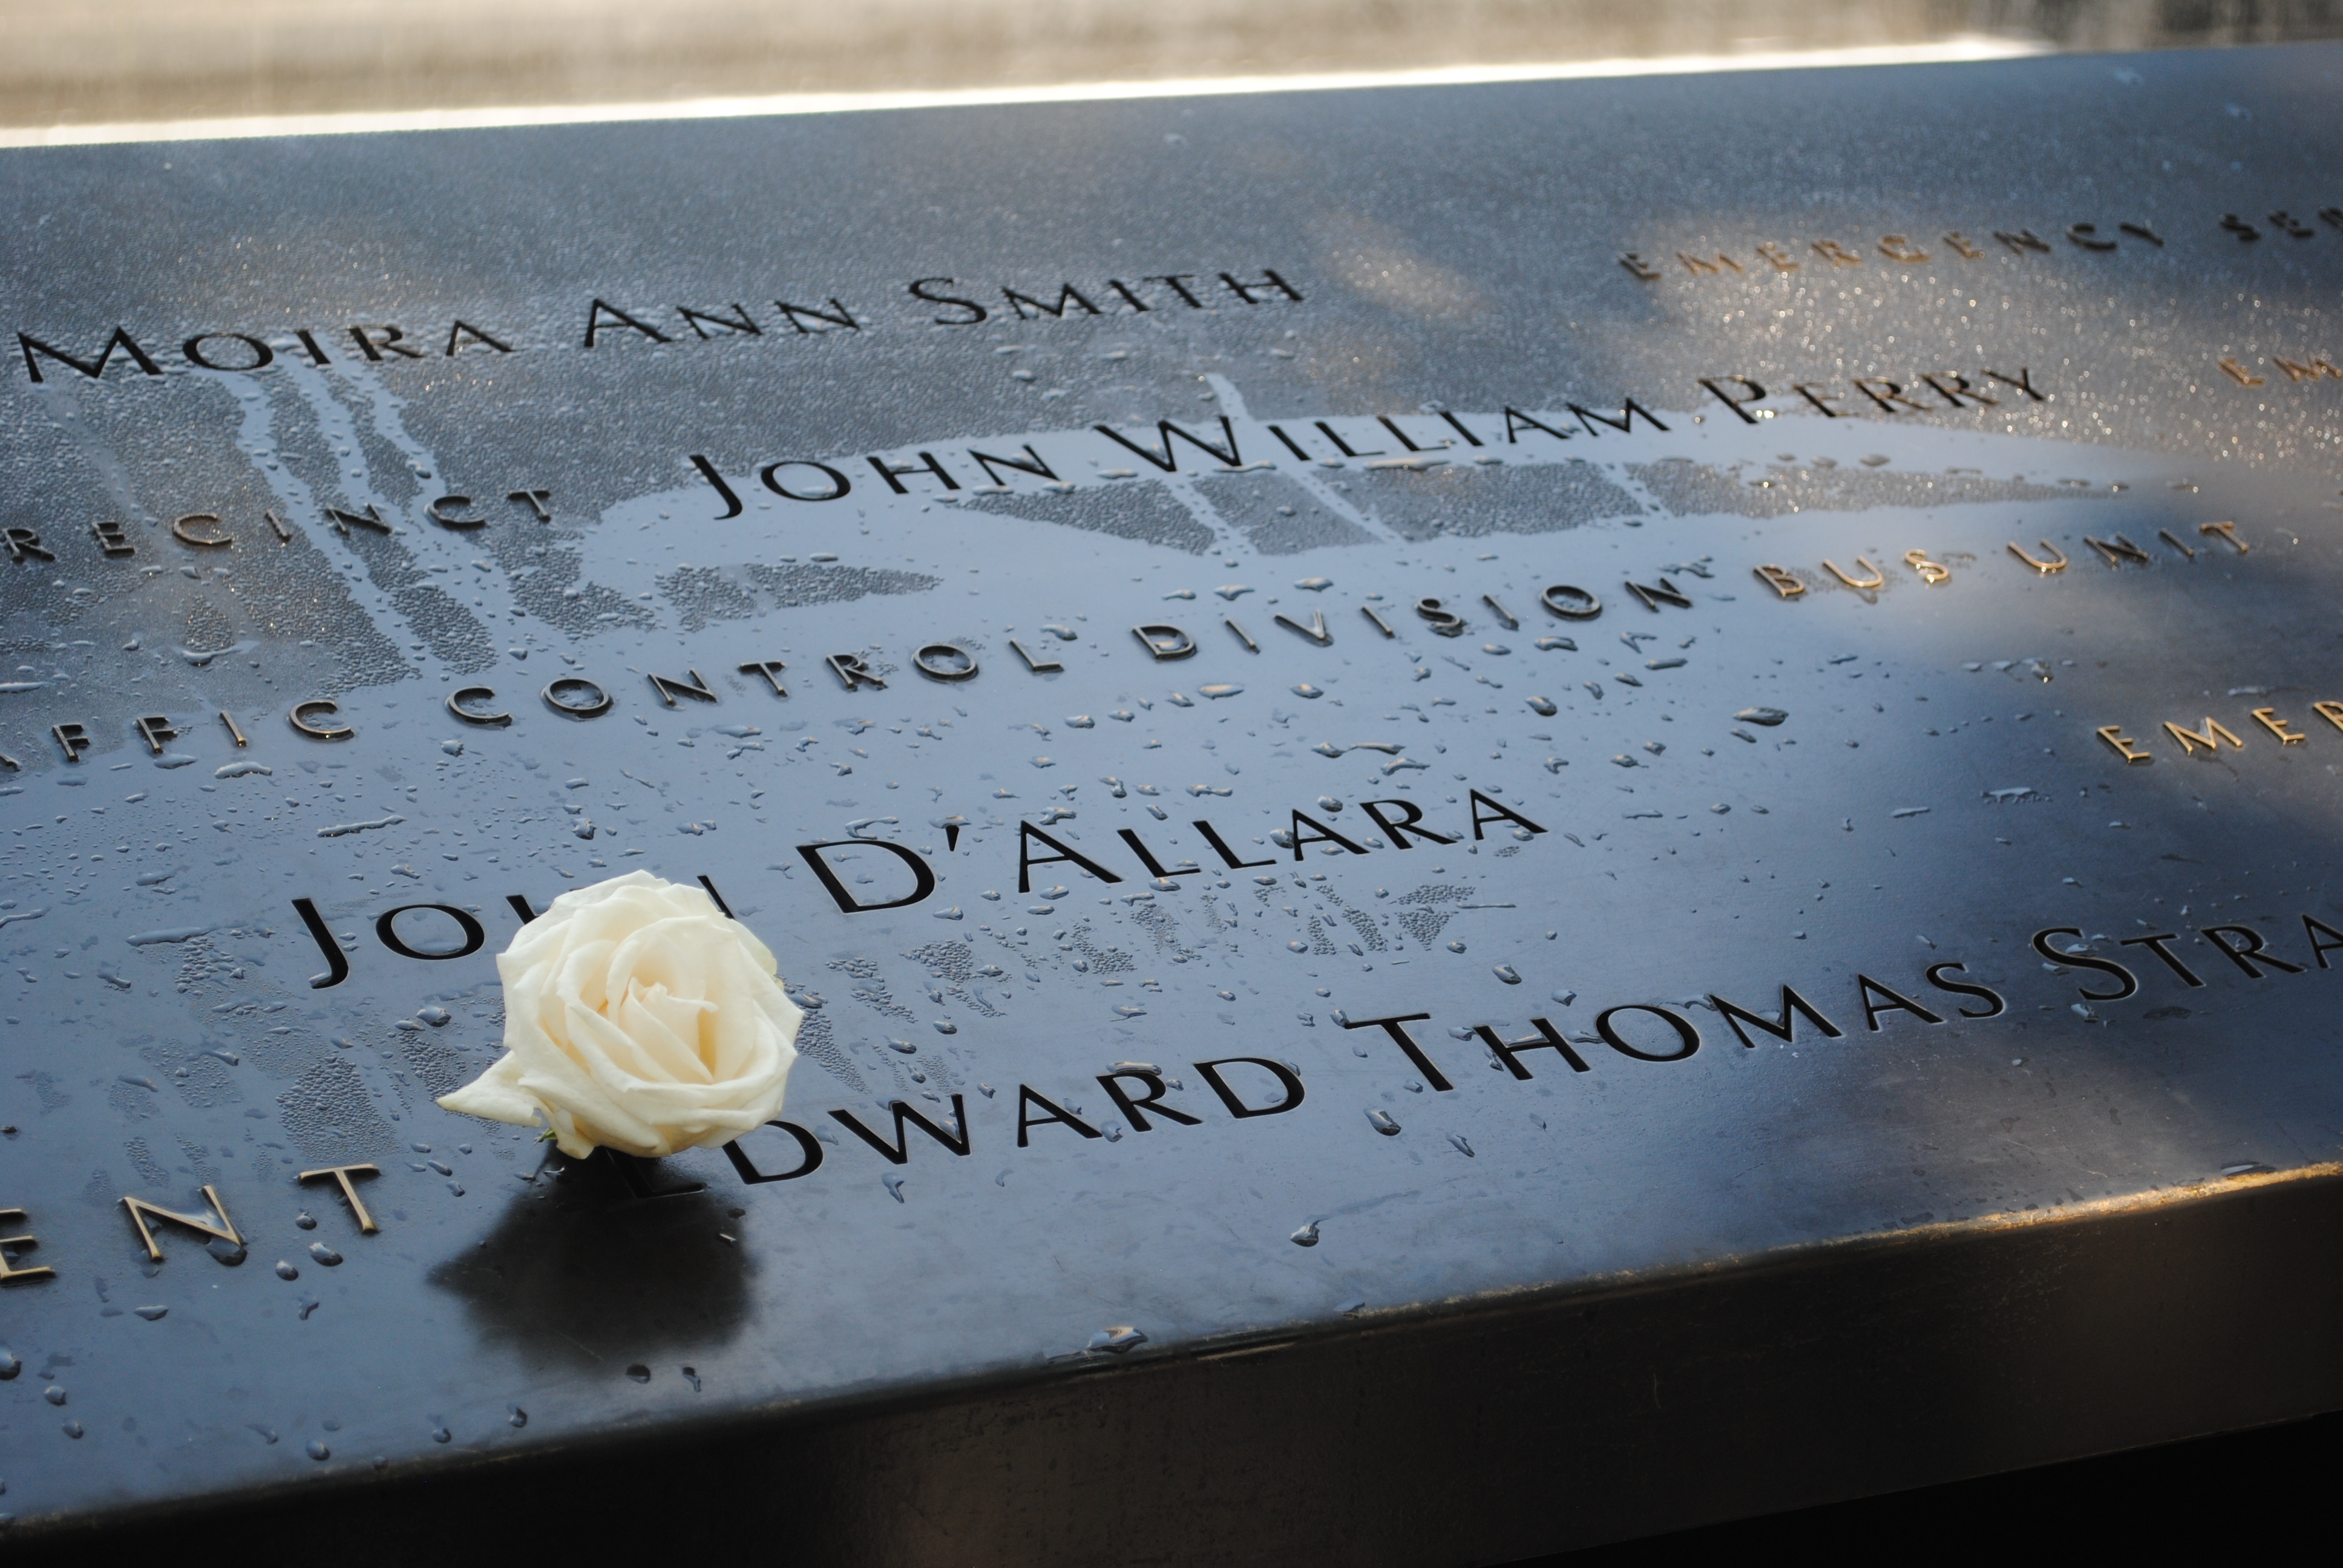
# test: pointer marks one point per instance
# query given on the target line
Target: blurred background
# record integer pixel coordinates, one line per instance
(95, 62)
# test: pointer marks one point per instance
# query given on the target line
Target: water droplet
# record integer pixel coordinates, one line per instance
(306, 1221)
(72, 1429)
(1298, 947)
(1328, 803)
(519, 1417)
(9, 1365)
(1305, 1237)
(1117, 1340)
(639, 1373)
(434, 1015)
(1456, 947)
(285, 1271)
(228, 1252)
(53, 1393)
(441, 1434)
(1507, 973)
(152, 1314)
(894, 1185)
(1382, 1123)
(1463, 1145)
(318, 1450)
(1768, 717)
(325, 1254)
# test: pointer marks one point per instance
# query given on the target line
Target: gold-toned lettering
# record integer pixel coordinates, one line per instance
(1780, 581)
(74, 738)
(1960, 242)
(2120, 551)
(1698, 267)
(1895, 247)
(304, 717)
(1931, 572)
(284, 534)
(2318, 366)
(770, 669)
(1878, 578)
(1959, 389)
(1821, 400)
(2240, 374)
(1837, 255)
(2057, 563)
(341, 1175)
(2166, 535)
(1774, 253)
(2226, 530)
(1638, 267)
(234, 732)
(224, 1231)
(1038, 666)
(9, 1273)
(2208, 737)
(2124, 745)
(201, 541)
(2268, 720)
(1894, 393)
(155, 729)
(2330, 711)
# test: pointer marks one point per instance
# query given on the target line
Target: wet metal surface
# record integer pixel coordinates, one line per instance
(1289, 807)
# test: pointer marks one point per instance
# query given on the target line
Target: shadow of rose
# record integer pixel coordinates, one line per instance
(599, 1262)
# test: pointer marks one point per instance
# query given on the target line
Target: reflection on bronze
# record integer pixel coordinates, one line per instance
(1895, 247)
(2330, 711)
(2087, 235)
(1445, 621)
(112, 539)
(1931, 572)
(1877, 578)
(2240, 374)
(2226, 530)
(341, 1175)
(155, 729)
(770, 669)
(370, 519)
(1774, 252)
(1696, 266)
(1961, 244)
(2208, 737)
(534, 500)
(1637, 266)
(301, 717)
(2120, 551)
(1895, 393)
(2124, 746)
(224, 1231)
(73, 738)
(945, 661)
(440, 508)
(456, 700)
(1837, 255)
(2318, 365)
(9, 1273)
(237, 734)
(1780, 581)
(284, 534)
(1736, 404)
(2057, 563)
(2268, 720)
(1503, 614)
(570, 696)
(1315, 630)
(201, 541)
(1381, 624)
(1243, 636)
(669, 689)
(2166, 535)
(1038, 666)
(1164, 641)
(1571, 603)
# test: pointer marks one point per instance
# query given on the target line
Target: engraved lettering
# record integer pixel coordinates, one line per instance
(900, 1152)
(1793, 1007)
(1891, 1002)
(923, 880)
(2123, 976)
(1738, 405)
(2154, 942)
(1548, 1037)
(2252, 951)
(852, 672)
(373, 340)
(155, 729)
(1687, 1037)
(1028, 1096)
(1995, 1006)
(1150, 1101)
(1066, 854)
(600, 317)
(1289, 1082)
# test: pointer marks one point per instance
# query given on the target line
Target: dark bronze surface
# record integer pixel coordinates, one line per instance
(1635, 737)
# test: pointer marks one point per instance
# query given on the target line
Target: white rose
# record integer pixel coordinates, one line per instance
(640, 1017)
